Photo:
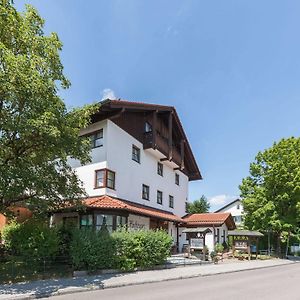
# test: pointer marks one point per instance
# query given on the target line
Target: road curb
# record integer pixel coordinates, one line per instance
(72, 290)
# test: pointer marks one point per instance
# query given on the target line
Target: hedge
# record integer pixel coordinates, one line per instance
(89, 249)
(31, 240)
(123, 249)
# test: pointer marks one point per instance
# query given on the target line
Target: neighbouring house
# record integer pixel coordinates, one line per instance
(236, 209)
(21, 214)
(207, 229)
(140, 171)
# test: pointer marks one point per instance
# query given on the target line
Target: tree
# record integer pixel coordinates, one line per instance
(37, 132)
(198, 206)
(271, 194)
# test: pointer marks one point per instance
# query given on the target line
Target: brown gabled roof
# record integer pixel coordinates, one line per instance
(210, 219)
(108, 106)
(107, 202)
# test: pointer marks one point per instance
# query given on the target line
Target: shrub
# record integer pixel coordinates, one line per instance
(31, 240)
(123, 249)
(91, 250)
(219, 248)
(144, 248)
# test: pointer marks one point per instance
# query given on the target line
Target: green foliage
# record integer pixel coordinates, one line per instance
(271, 194)
(219, 248)
(144, 248)
(91, 250)
(37, 132)
(31, 240)
(124, 250)
(198, 206)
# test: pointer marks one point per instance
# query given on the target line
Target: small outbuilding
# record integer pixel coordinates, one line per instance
(207, 229)
(245, 240)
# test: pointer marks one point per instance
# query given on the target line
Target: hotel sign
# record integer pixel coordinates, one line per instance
(240, 245)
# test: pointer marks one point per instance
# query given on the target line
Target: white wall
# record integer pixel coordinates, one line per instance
(236, 209)
(130, 175)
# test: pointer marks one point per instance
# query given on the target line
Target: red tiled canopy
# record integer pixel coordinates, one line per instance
(209, 219)
(107, 202)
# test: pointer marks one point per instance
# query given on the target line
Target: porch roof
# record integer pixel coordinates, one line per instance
(108, 202)
(246, 233)
(197, 229)
(209, 219)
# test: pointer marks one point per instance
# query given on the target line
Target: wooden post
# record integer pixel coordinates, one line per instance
(154, 126)
(182, 142)
(170, 141)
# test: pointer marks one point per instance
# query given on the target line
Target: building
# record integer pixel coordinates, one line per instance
(21, 214)
(140, 170)
(207, 229)
(236, 209)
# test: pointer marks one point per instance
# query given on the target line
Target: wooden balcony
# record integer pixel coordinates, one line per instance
(162, 145)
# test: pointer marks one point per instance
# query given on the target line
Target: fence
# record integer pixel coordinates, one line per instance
(14, 269)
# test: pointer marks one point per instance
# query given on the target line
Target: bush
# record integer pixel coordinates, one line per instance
(91, 250)
(144, 248)
(31, 240)
(125, 250)
(219, 248)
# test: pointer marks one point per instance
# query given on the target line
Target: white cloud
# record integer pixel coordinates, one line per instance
(221, 200)
(108, 94)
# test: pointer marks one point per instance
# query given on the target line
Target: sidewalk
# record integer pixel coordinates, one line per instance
(44, 288)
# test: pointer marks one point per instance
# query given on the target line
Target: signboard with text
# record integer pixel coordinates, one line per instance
(197, 243)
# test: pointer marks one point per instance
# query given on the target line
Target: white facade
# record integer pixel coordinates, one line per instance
(116, 155)
(236, 210)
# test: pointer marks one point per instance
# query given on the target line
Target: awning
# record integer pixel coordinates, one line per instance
(197, 229)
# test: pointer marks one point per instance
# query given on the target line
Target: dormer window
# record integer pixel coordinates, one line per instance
(148, 127)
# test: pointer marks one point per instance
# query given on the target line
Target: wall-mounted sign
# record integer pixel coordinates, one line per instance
(197, 243)
(137, 222)
(240, 245)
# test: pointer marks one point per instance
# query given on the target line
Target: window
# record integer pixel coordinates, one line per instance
(104, 222)
(160, 169)
(121, 221)
(105, 178)
(136, 154)
(148, 127)
(238, 206)
(100, 175)
(86, 221)
(96, 139)
(171, 201)
(145, 192)
(159, 197)
(177, 178)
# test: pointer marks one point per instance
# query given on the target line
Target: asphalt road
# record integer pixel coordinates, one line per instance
(280, 283)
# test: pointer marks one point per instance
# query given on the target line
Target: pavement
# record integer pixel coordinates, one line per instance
(47, 288)
(277, 283)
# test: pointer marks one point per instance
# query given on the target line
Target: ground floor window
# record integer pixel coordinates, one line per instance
(103, 221)
(86, 221)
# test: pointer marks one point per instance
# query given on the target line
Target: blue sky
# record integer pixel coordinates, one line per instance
(231, 68)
